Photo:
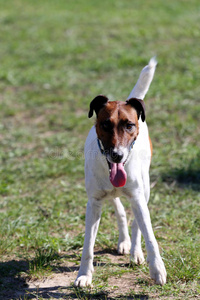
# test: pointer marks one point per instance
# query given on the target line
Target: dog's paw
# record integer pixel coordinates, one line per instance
(83, 280)
(137, 257)
(124, 247)
(158, 271)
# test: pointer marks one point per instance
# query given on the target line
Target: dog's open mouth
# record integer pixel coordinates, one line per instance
(118, 174)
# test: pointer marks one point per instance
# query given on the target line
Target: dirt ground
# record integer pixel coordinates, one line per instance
(58, 285)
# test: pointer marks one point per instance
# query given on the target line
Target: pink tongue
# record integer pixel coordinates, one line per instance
(118, 175)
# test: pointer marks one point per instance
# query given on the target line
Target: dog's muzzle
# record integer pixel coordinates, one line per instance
(116, 156)
(114, 159)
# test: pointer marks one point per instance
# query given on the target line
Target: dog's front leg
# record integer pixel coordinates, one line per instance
(156, 265)
(93, 215)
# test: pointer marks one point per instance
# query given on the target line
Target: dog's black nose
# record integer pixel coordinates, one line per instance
(116, 156)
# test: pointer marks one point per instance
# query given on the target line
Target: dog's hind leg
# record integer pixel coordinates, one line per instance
(124, 242)
(137, 256)
(93, 215)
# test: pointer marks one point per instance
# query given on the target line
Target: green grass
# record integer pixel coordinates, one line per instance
(55, 57)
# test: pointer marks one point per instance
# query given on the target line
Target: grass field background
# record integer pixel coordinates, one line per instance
(55, 57)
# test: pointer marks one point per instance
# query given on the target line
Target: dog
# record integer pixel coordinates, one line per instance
(118, 153)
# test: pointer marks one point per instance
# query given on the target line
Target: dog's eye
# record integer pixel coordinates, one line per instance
(130, 126)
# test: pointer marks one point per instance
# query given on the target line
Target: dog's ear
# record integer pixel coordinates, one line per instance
(139, 107)
(97, 103)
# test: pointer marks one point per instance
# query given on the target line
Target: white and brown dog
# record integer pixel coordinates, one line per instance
(117, 159)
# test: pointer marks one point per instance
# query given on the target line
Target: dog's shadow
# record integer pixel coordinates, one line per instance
(186, 177)
(59, 292)
(13, 282)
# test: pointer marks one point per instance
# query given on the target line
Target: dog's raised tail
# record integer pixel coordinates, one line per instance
(141, 88)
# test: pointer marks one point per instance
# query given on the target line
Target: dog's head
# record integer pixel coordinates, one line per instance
(117, 123)
(117, 128)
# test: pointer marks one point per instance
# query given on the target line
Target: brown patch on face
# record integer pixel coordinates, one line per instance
(117, 125)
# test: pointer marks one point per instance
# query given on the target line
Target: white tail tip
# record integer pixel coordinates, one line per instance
(153, 62)
(141, 88)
